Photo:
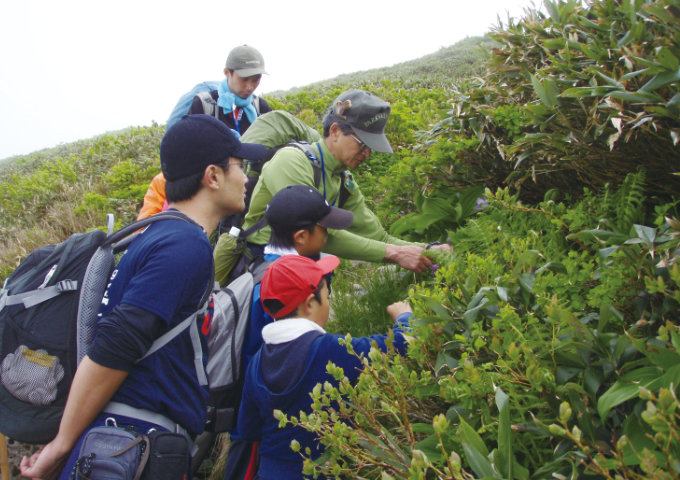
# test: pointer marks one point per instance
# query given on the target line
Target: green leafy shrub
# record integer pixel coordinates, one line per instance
(517, 369)
(579, 97)
(438, 213)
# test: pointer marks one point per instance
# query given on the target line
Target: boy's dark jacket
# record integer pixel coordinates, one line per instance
(282, 374)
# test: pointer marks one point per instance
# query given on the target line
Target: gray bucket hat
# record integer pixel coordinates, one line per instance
(246, 61)
(367, 115)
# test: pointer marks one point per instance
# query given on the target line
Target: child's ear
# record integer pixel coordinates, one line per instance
(306, 308)
(300, 237)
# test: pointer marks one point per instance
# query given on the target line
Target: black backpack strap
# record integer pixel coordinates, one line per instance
(259, 225)
(116, 237)
(344, 191)
(316, 166)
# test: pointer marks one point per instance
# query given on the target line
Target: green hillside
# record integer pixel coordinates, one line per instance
(547, 345)
(448, 64)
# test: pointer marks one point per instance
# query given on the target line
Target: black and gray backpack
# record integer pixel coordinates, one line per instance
(203, 90)
(48, 311)
(231, 317)
(209, 103)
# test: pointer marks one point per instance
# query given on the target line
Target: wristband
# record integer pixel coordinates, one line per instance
(432, 244)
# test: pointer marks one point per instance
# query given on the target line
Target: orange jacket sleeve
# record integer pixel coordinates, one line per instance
(154, 199)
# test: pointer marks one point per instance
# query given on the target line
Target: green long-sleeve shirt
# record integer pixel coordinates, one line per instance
(366, 239)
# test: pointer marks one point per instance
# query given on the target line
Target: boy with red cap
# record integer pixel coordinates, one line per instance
(293, 359)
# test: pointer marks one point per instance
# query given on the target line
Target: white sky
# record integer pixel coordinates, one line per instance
(73, 69)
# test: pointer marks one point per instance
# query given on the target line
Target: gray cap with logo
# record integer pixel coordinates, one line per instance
(367, 115)
(246, 61)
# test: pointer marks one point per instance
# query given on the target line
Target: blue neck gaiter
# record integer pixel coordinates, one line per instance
(226, 99)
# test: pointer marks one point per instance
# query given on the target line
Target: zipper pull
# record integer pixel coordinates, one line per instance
(48, 276)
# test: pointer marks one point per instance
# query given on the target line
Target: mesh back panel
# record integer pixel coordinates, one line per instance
(91, 293)
(225, 335)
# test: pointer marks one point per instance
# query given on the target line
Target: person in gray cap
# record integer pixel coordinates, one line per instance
(233, 103)
(159, 281)
(237, 105)
(353, 127)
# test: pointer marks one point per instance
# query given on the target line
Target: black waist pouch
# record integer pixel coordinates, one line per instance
(169, 456)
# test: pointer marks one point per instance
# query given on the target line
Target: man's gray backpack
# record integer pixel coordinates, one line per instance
(229, 328)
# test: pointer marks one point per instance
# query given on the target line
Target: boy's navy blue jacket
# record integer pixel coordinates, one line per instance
(282, 374)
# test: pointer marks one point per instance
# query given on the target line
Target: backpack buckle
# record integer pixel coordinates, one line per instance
(67, 285)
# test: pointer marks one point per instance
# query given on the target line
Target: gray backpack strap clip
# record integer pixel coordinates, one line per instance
(256, 104)
(209, 104)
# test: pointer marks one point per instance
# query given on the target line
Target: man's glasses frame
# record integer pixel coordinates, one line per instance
(245, 165)
(362, 146)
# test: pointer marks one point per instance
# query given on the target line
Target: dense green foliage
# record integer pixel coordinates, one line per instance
(547, 345)
(533, 341)
(576, 98)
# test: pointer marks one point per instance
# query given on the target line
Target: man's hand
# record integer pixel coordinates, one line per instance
(46, 463)
(397, 308)
(409, 257)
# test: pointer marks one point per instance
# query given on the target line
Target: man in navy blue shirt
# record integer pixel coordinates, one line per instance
(157, 283)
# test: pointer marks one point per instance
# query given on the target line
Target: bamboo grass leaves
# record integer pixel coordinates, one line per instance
(597, 88)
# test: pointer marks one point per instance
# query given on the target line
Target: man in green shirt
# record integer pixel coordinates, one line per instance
(353, 128)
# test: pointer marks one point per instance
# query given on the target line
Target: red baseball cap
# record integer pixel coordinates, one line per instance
(291, 278)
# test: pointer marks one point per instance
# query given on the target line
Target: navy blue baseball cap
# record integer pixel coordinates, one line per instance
(299, 206)
(196, 141)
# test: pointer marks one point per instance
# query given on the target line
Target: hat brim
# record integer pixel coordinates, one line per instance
(328, 263)
(375, 141)
(337, 219)
(249, 72)
(251, 151)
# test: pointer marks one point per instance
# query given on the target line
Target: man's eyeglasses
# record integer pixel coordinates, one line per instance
(245, 165)
(362, 146)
